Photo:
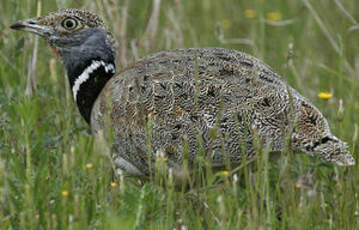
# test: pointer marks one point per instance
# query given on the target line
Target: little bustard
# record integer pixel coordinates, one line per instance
(212, 100)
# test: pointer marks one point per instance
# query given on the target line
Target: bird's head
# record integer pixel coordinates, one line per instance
(312, 136)
(86, 47)
(74, 34)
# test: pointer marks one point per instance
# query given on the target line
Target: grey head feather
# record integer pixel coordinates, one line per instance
(80, 49)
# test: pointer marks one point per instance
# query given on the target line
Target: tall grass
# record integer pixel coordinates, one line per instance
(53, 176)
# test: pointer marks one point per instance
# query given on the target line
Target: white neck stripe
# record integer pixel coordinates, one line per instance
(87, 72)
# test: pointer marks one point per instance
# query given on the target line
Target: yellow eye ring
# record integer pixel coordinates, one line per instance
(69, 23)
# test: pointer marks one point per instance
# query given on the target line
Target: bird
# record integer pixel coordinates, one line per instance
(180, 104)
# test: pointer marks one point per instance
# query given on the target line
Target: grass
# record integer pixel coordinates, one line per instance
(52, 176)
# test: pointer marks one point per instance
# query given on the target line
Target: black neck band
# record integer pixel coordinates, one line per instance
(87, 82)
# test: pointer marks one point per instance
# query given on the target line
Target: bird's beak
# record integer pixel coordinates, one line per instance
(32, 25)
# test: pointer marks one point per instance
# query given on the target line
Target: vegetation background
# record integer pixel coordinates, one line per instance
(51, 176)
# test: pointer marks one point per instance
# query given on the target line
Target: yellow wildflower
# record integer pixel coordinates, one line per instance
(162, 159)
(225, 173)
(65, 193)
(325, 95)
(37, 216)
(113, 184)
(226, 24)
(89, 165)
(149, 116)
(249, 13)
(274, 16)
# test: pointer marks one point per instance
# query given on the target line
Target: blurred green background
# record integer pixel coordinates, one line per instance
(52, 177)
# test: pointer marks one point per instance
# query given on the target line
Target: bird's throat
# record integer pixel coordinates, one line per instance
(56, 51)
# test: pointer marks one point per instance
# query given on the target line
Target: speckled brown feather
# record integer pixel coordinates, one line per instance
(217, 97)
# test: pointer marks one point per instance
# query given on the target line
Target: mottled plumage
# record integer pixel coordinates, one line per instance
(214, 101)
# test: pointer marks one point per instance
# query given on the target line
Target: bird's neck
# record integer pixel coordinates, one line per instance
(89, 58)
(87, 81)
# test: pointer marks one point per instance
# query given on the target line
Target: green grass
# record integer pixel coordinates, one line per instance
(46, 181)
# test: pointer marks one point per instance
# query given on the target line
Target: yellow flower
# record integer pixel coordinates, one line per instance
(149, 116)
(325, 95)
(113, 184)
(226, 24)
(274, 16)
(225, 173)
(249, 13)
(89, 165)
(162, 159)
(65, 193)
(37, 216)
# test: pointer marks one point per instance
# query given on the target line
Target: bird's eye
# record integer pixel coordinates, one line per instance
(69, 23)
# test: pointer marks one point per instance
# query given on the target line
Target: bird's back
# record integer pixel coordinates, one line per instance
(210, 100)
